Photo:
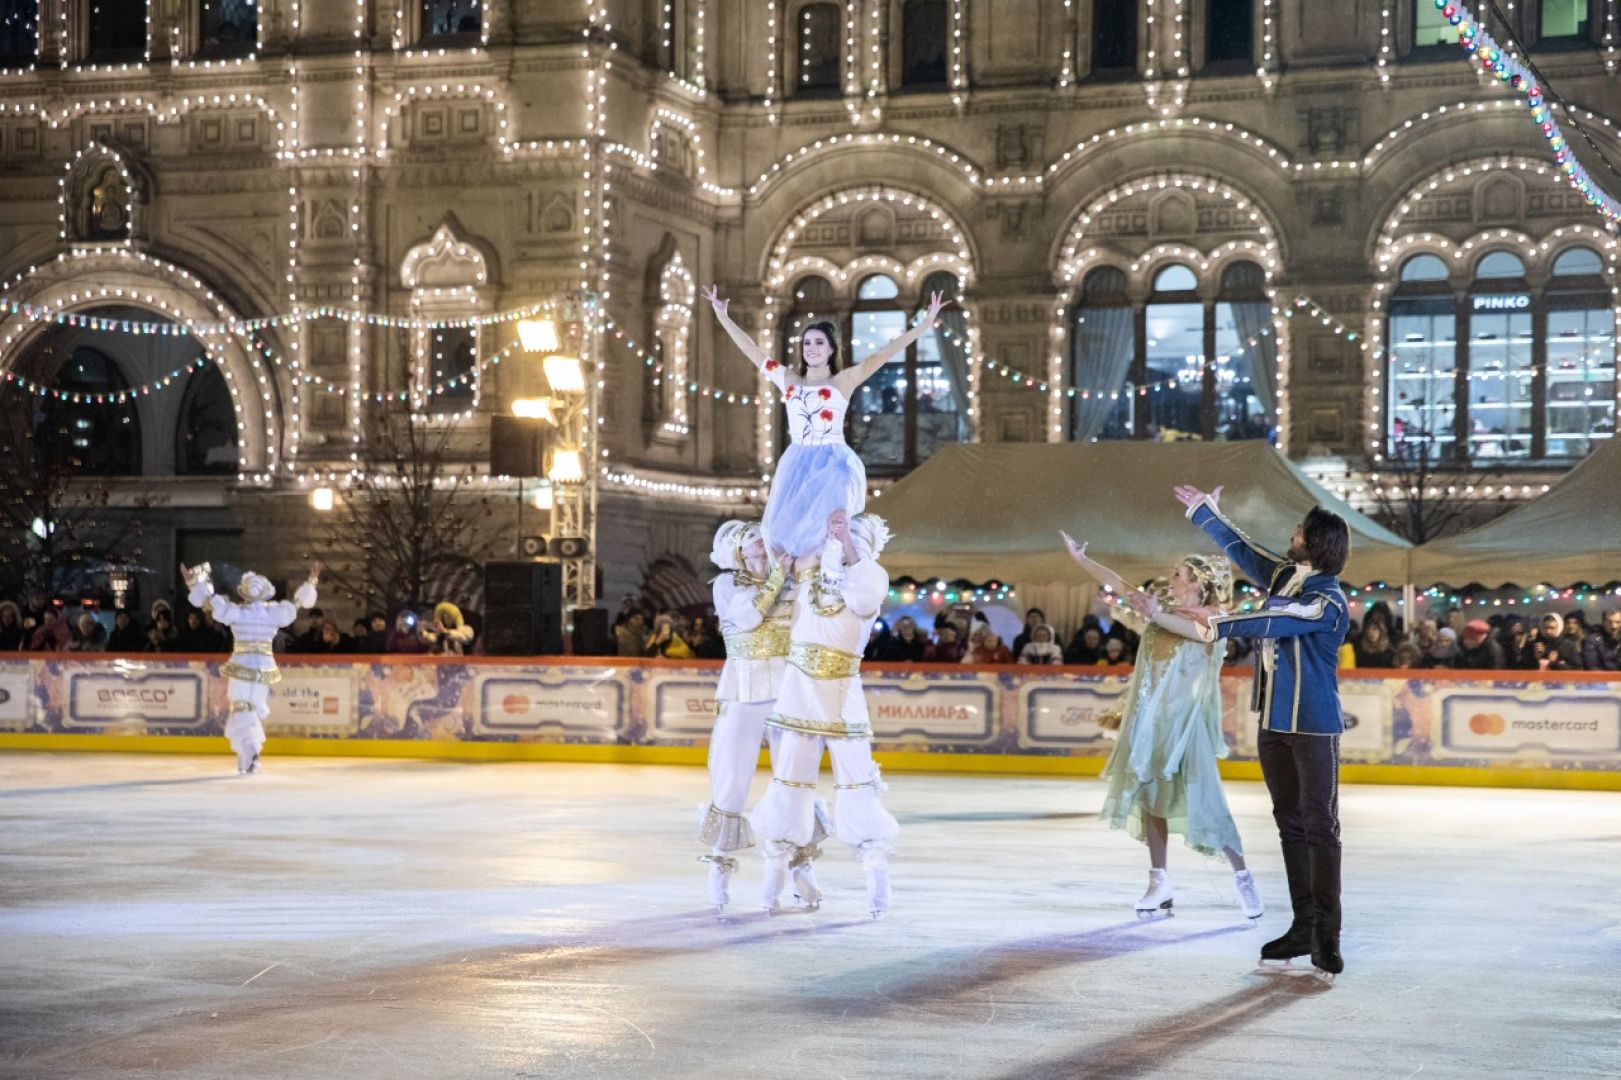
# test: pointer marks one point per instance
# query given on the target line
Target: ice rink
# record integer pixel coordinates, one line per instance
(161, 917)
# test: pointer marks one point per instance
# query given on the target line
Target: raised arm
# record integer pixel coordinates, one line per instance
(1103, 574)
(749, 347)
(1253, 561)
(851, 378)
(1313, 613)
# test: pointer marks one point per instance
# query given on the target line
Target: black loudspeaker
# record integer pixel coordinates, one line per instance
(523, 609)
(591, 634)
(517, 447)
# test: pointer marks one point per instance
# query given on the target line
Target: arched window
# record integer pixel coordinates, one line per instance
(1581, 355)
(452, 361)
(1422, 345)
(1498, 389)
(206, 437)
(1514, 373)
(1114, 37)
(1101, 356)
(821, 41)
(19, 33)
(1424, 268)
(1179, 366)
(228, 28)
(1230, 32)
(96, 439)
(924, 36)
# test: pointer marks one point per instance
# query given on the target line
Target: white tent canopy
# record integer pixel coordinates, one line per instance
(993, 511)
(1570, 534)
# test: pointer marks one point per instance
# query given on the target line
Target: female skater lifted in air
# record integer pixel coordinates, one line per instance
(818, 473)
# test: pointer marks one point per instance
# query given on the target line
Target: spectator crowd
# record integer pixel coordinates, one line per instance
(42, 625)
(1379, 640)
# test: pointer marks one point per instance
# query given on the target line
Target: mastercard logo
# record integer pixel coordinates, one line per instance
(1487, 724)
(515, 704)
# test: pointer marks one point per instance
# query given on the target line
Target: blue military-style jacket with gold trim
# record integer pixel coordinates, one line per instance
(1298, 632)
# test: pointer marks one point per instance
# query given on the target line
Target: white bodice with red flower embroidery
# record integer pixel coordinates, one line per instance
(815, 414)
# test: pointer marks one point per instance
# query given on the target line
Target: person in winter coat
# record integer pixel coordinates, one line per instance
(1033, 619)
(128, 636)
(1602, 650)
(11, 627)
(947, 649)
(447, 634)
(91, 636)
(1477, 651)
(53, 634)
(1041, 648)
(984, 647)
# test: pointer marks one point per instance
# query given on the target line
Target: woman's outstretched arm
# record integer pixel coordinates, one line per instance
(747, 344)
(1103, 574)
(851, 378)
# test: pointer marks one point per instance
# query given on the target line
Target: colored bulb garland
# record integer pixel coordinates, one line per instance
(1478, 43)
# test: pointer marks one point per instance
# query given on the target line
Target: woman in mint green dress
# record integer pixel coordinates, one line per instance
(1162, 775)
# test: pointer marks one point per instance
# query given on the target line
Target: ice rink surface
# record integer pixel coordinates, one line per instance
(161, 917)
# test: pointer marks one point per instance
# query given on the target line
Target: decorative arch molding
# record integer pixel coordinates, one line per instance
(962, 167)
(87, 279)
(1219, 133)
(935, 236)
(1389, 153)
(448, 259)
(1117, 229)
(103, 197)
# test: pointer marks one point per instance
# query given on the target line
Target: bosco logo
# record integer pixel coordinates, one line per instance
(151, 696)
(1487, 724)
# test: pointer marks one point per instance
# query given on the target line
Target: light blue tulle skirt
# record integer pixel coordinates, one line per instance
(811, 483)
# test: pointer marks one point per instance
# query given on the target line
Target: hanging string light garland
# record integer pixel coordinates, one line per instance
(37, 313)
(116, 397)
(1495, 61)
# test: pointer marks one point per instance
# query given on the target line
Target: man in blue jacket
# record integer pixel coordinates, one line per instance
(1298, 635)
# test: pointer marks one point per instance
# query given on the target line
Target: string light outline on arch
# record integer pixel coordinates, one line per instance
(1074, 263)
(779, 268)
(1394, 249)
(250, 326)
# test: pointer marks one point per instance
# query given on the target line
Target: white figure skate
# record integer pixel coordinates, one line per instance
(1249, 897)
(1157, 900)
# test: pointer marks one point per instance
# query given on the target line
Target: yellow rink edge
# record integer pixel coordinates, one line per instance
(893, 761)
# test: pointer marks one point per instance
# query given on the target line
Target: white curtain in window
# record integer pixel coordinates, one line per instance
(1253, 320)
(1103, 352)
(951, 336)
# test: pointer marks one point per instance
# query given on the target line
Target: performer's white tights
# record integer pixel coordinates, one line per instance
(1158, 837)
(786, 817)
(734, 754)
(250, 704)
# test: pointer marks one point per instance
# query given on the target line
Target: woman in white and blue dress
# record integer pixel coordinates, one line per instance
(1162, 776)
(818, 473)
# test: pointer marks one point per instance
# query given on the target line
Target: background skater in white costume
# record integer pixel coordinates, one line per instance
(821, 704)
(754, 601)
(252, 667)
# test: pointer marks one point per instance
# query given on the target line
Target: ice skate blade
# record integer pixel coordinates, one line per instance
(1162, 912)
(1322, 976)
(1282, 967)
(879, 914)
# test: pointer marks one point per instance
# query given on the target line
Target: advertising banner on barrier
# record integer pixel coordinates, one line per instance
(587, 704)
(1430, 719)
(15, 684)
(118, 698)
(311, 701)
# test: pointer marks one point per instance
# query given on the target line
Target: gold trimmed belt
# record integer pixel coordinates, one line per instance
(252, 675)
(764, 642)
(252, 648)
(831, 729)
(823, 662)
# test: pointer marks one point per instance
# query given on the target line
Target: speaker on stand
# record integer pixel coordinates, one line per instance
(523, 609)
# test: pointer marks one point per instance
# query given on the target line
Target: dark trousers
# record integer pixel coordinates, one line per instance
(1303, 776)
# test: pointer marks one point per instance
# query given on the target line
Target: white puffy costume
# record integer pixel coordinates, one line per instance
(252, 666)
(821, 704)
(754, 615)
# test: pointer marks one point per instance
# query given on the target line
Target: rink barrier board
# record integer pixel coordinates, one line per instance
(1511, 729)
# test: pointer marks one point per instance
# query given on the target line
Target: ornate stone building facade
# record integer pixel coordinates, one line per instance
(1163, 218)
